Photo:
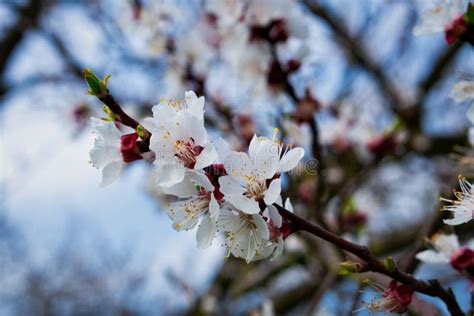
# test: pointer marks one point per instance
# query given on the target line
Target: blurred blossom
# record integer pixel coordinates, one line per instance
(447, 250)
(436, 19)
(462, 208)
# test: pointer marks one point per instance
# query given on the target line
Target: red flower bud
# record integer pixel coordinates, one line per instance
(128, 147)
(384, 144)
(455, 29)
(278, 31)
(462, 259)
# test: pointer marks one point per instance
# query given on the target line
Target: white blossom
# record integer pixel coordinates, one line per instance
(254, 177)
(106, 152)
(462, 91)
(179, 139)
(198, 201)
(444, 246)
(275, 225)
(462, 208)
(246, 235)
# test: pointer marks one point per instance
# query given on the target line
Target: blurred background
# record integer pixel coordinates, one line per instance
(345, 79)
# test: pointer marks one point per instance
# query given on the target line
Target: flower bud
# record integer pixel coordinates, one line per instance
(462, 259)
(390, 264)
(97, 86)
(384, 144)
(455, 29)
(348, 267)
(278, 31)
(129, 148)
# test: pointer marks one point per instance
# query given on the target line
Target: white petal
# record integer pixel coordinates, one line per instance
(262, 227)
(195, 104)
(105, 129)
(182, 218)
(149, 123)
(244, 204)
(433, 21)
(279, 201)
(462, 91)
(459, 218)
(187, 126)
(206, 157)
(162, 147)
(288, 205)
(273, 191)
(206, 232)
(448, 244)
(430, 256)
(470, 136)
(214, 208)
(183, 189)
(169, 174)
(230, 185)
(253, 146)
(102, 154)
(111, 172)
(266, 159)
(278, 249)
(274, 215)
(223, 148)
(238, 164)
(201, 179)
(291, 159)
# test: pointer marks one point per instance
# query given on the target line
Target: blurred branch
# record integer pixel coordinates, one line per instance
(358, 53)
(28, 17)
(413, 114)
(287, 300)
(72, 64)
(326, 283)
(409, 113)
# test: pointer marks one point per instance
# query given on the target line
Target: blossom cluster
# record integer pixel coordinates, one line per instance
(254, 45)
(218, 189)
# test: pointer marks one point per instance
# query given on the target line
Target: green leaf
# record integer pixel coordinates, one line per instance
(390, 264)
(97, 87)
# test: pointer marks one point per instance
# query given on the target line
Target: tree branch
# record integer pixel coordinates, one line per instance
(431, 287)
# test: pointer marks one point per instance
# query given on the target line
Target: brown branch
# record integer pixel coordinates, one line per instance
(431, 287)
(123, 117)
(316, 148)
